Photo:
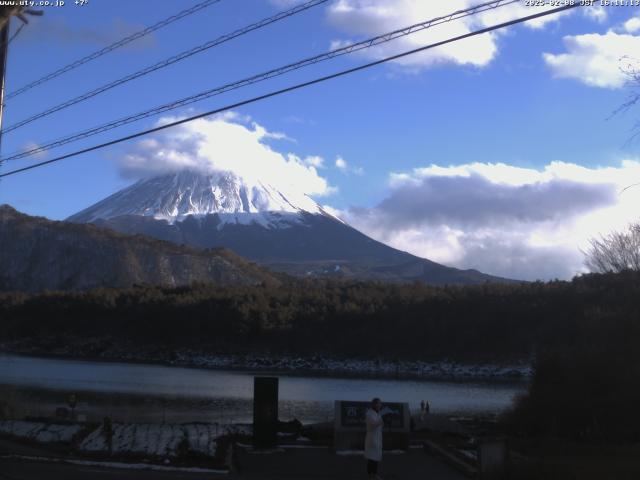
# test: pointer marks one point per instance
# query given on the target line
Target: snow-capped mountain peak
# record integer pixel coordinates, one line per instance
(174, 196)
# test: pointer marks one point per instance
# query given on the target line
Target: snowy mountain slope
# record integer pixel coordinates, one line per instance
(175, 196)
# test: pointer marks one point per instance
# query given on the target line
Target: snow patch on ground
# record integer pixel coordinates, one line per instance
(201, 438)
(39, 431)
(145, 440)
(157, 440)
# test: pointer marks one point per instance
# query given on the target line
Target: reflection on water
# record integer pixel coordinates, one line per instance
(153, 393)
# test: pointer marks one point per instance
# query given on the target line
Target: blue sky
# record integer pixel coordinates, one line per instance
(525, 98)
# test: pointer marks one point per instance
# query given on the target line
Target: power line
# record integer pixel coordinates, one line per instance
(169, 61)
(294, 87)
(15, 34)
(120, 43)
(377, 40)
(628, 187)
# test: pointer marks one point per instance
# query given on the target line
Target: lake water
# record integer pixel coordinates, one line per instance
(155, 393)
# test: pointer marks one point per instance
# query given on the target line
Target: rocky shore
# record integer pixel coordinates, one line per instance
(312, 364)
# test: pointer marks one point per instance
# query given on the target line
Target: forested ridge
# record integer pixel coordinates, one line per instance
(483, 322)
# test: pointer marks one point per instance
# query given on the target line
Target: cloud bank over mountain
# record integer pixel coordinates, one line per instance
(504, 220)
(225, 143)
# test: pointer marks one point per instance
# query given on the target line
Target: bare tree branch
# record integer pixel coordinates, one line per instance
(615, 252)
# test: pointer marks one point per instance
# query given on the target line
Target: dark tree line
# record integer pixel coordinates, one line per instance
(417, 321)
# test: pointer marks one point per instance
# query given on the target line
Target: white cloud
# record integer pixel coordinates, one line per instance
(632, 25)
(343, 166)
(315, 161)
(597, 13)
(39, 154)
(364, 18)
(505, 220)
(277, 135)
(225, 143)
(598, 60)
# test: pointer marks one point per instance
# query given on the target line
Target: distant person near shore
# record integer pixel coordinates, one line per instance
(424, 409)
(373, 439)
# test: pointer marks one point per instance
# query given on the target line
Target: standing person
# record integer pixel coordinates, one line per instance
(373, 439)
(423, 409)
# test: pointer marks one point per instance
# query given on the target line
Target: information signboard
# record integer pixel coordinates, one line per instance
(353, 414)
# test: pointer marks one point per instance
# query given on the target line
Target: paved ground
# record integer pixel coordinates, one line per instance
(299, 464)
(23, 469)
(324, 464)
(29, 470)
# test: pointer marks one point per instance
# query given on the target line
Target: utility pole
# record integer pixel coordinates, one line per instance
(4, 50)
(6, 13)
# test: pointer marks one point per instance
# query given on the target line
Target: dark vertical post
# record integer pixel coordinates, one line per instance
(4, 49)
(265, 412)
(493, 458)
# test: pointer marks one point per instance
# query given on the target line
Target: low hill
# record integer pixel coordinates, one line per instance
(39, 254)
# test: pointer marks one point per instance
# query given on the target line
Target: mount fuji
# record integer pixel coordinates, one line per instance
(284, 231)
(174, 197)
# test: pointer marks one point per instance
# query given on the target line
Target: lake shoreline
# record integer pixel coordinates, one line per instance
(143, 392)
(309, 366)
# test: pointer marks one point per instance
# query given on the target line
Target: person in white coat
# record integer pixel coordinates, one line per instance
(373, 439)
